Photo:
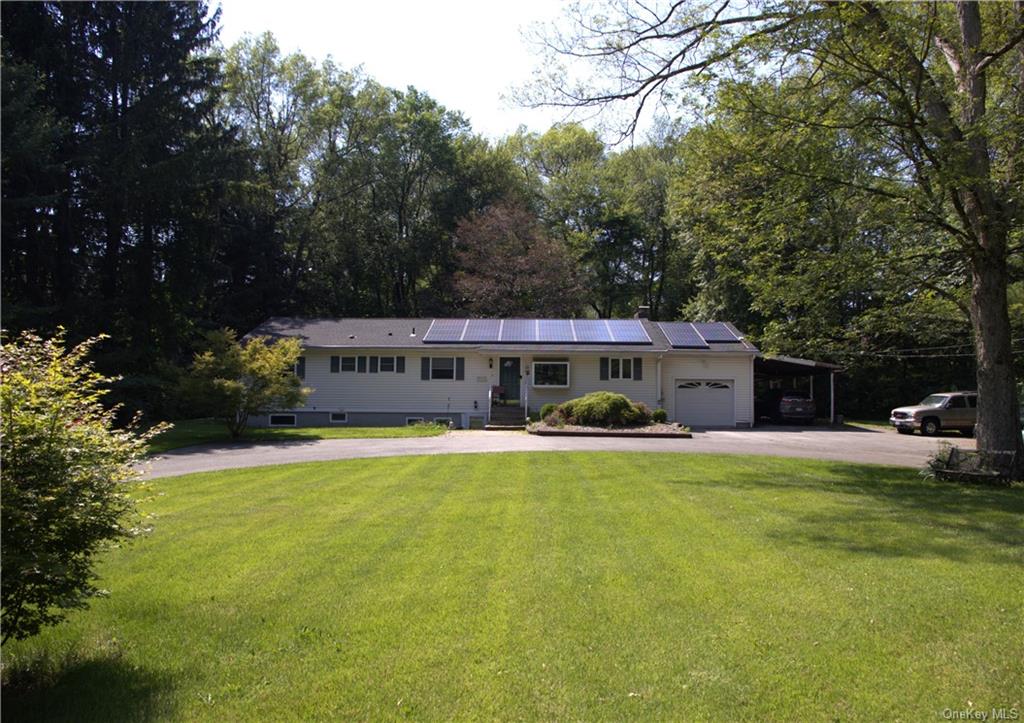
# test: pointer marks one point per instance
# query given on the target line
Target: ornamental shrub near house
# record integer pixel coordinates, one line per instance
(67, 475)
(604, 409)
(659, 416)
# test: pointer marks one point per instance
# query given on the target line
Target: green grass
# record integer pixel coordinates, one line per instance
(547, 586)
(203, 431)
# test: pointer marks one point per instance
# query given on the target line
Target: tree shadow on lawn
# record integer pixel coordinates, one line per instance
(892, 512)
(244, 443)
(95, 689)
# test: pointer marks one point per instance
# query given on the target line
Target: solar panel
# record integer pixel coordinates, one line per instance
(682, 335)
(715, 332)
(555, 330)
(445, 330)
(628, 331)
(480, 330)
(592, 331)
(519, 330)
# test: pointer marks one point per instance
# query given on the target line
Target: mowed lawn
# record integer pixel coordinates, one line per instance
(205, 431)
(548, 586)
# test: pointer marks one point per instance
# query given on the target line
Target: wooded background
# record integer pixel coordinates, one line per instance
(157, 185)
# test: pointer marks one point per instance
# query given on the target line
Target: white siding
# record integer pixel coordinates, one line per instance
(739, 368)
(585, 377)
(393, 392)
(390, 391)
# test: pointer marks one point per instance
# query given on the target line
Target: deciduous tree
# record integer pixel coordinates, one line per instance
(936, 86)
(68, 474)
(233, 380)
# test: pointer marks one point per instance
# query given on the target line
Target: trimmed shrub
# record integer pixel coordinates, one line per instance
(547, 409)
(659, 415)
(605, 409)
(554, 420)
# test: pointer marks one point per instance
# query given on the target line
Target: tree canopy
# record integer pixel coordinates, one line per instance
(925, 100)
(841, 180)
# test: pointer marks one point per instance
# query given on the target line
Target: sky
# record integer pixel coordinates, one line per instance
(465, 54)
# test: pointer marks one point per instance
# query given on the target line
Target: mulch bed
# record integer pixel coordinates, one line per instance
(652, 430)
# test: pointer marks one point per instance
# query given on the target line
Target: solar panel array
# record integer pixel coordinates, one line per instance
(686, 335)
(536, 331)
(715, 332)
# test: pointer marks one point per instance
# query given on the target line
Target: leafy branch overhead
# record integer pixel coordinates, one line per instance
(927, 96)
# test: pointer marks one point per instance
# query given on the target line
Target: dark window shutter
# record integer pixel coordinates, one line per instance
(638, 368)
(425, 368)
(335, 364)
(361, 364)
(604, 368)
(300, 368)
(460, 368)
(400, 364)
(374, 364)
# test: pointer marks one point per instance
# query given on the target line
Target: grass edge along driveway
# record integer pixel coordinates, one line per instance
(189, 432)
(547, 586)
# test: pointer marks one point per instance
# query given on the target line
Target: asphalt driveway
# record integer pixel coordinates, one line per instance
(844, 444)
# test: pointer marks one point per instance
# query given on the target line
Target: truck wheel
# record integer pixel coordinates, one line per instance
(930, 427)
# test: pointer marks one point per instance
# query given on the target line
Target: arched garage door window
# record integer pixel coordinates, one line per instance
(706, 402)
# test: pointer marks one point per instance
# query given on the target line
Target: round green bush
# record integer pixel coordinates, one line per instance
(605, 409)
(547, 410)
(659, 415)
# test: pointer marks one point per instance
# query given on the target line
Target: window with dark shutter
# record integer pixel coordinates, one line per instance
(460, 368)
(638, 368)
(425, 368)
(335, 364)
(604, 368)
(361, 364)
(300, 367)
(348, 364)
(400, 364)
(373, 364)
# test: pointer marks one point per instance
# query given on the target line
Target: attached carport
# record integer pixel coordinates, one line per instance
(786, 372)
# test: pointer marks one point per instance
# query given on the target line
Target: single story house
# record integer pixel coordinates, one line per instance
(399, 371)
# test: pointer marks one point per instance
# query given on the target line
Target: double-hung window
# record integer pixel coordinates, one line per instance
(621, 368)
(440, 367)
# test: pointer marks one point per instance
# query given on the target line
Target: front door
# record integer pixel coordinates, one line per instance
(509, 376)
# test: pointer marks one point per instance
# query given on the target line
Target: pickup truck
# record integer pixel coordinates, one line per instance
(936, 412)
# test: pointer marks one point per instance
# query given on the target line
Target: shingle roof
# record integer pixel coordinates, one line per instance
(409, 333)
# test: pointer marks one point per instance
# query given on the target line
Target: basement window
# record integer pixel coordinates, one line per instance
(282, 420)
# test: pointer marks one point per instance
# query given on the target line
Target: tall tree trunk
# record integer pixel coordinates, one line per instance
(997, 429)
(998, 425)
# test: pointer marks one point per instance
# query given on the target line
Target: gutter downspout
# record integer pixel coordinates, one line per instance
(661, 400)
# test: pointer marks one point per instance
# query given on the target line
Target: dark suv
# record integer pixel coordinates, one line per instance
(787, 406)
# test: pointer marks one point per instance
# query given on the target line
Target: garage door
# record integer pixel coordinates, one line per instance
(705, 402)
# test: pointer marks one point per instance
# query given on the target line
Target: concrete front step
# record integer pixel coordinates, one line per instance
(508, 414)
